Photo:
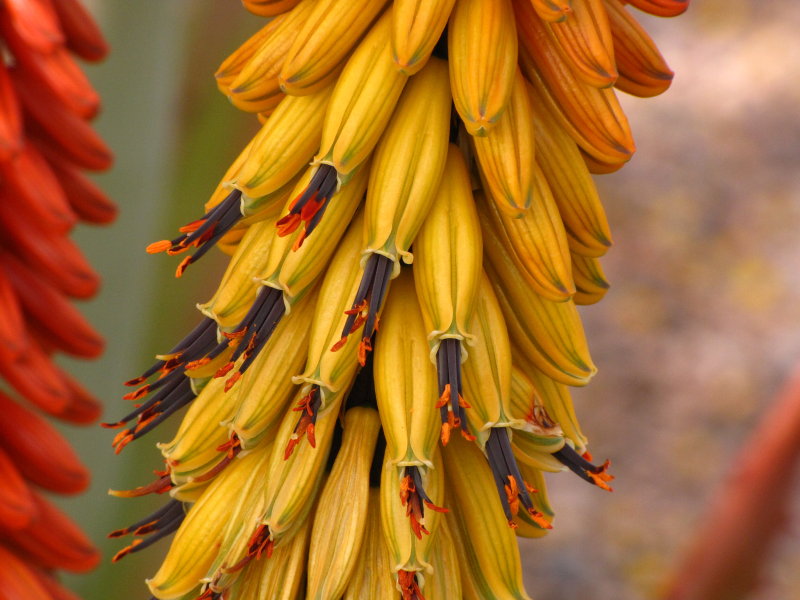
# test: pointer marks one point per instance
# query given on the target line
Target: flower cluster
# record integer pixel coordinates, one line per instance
(382, 377)
(46, 142)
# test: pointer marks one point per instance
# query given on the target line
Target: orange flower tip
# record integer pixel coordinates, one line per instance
(260, 544)
(157, 247)
(452, 407)
(288, 224)
(120, 442)
(116, 425)
(309, 206)
(183, 266)
(539, 519)
(309, 406)
(125, 551)
(234, 335)
(439, 509)
(409, 586)
(232, 447)
(445, 435)
(192, 227)
(196, 364)
(136, 394)
(159, 486)
(506, 473)
(588, 456)
(299, 241)
(290, 446)
(223, 370)
(597, 475)
(203, 233)
(414, 498)
(363, 347)
(339, 345)
(232, 380)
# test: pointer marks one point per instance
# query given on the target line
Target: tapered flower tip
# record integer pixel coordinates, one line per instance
(416, 28)
(53, 541)
(18, 579)
(16, 501)
(661, 8)
(39, 451)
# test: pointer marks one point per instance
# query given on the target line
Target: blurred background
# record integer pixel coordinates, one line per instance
(700, 327)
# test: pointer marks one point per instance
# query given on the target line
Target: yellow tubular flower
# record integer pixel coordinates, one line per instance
(642, 70)
(405, 380)
(435, 156)
(585, 38)
(555, 398)
(196, 545)
(506, 156)
(342, 513)
(194, 451)
(539, 436)
(537, 241)
(329, 372)
(570, 182)
(363, 100)
(590, 280)
(592, 115)
(293, 479)
(294, 263)
(410, 546)
(447, 273)
(445, 583)
(266, 394)
(487, 371)
(235, 536)
(487, 381)
(416, 27)
(332, 29)
(408, 165)
(485, 543)
(482, 51)
(280, 577)
(256, 88)
(549, 334)
(237, 290)
(373, 577)
(286, 142)
(233, 65)
(405, 388)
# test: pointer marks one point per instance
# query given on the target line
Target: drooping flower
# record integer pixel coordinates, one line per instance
(415, 222)
(46, 142)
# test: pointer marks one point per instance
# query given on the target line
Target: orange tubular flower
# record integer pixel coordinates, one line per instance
(46, 142)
